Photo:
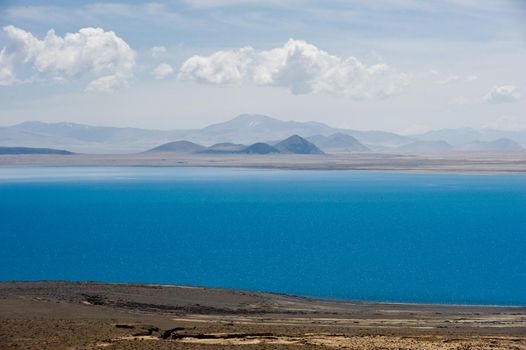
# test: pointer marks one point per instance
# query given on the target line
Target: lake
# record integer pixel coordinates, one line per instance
(400, 237)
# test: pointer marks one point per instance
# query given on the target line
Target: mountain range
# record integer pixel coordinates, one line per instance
(248, 129)
(30, 150)
(294, 144)
(467, 135)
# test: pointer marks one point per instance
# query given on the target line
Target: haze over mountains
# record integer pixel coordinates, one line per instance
(246, 130)
(30, 150)
(294, 144)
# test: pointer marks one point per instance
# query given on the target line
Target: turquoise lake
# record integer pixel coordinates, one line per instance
(401, 237)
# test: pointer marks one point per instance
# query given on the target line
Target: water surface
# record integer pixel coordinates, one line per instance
(434, 238)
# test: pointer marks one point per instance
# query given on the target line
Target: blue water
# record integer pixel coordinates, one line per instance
(437, 238)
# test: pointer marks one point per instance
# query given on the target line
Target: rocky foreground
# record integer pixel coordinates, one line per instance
(64, 315)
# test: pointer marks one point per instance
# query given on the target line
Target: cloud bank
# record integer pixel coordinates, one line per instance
(298, 66)
(503, 94)
(91, 53)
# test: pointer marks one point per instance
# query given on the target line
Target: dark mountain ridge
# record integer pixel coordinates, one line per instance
(178, 147)
(293, 145)
(297, 145)
(31, 150)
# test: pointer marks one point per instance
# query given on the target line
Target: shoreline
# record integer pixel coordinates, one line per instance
(306, 297)
(90, 315)
(483, 164)
(299, 170)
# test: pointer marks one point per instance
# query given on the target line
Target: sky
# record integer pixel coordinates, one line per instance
(406, 66)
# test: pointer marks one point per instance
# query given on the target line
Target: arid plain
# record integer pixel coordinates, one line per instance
(66, 315)
(454, 162)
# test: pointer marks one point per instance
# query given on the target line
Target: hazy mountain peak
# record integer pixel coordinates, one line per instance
(498, 145)
(39, 124)
(424, 146)
(338, 142)
(246, 117)
(465, 135)
(298, 145)
(30, 123)
(31, 150)
(295, 138)
(182, 146)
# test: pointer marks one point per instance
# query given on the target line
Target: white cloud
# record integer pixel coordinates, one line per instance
(157, 51)
(472, 78)
(222, 67)
(162, 71)
(91, 52)
(507, 123)
(107, 84)
(7, 75)
(449, 79)
(503, 94)
(299, 66)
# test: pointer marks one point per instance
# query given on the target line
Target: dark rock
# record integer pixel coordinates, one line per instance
(167, 334)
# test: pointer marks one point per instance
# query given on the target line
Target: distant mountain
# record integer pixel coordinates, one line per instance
(83, 138)
(178, 147)
(224, 147)
(338, 142)
(297, 145)
(500, 145)
(425, 147)
(259, 148)
(246, 129)
(30, 150)
(293, 144)
(467, 135)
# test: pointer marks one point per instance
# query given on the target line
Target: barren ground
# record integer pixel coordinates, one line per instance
(64, 315)
(456, 162)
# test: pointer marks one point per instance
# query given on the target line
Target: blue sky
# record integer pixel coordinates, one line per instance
(401, 65)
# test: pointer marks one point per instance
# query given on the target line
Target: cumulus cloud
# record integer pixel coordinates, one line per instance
(299, 66)
(7, 75)
(157, 51)
(91, 52)
(162, 71)
(222, 67)
(503, 94)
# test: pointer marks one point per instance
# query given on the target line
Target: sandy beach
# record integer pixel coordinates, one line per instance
(65, 315)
